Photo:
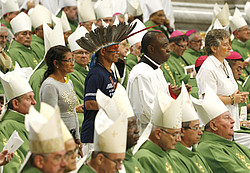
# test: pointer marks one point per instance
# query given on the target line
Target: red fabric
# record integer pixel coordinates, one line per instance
(188, 33)
(234, 55)
(172, 94)
(200, 60)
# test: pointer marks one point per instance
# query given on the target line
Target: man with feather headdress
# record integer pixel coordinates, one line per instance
(103, 43)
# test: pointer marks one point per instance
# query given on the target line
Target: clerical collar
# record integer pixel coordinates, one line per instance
(241, 41)
(189, 148)
(153, 62)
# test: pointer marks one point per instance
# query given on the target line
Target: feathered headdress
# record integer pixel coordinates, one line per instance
(104, 36)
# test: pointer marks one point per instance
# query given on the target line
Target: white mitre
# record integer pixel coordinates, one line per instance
(167, 112)
(16, 83)
(119, 6)
(247, 10)
(210, 107)
(237, 21)
(134, 8)
(137, 37)
(79, 32)
(40, 15)
(223, 15)
(85, 10)
(45, 135)
(53, 37)
(188, 111)
(9, 6)
(65, 22)
(149, 7)
(67, 3)
(103, 9)
(20, 23)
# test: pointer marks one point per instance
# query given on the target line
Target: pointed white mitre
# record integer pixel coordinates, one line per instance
(79, 32)
(188, 111)
(110, 135)
(103, 8)
(67, 3)
(85, 10)
(167, 112)
(53, 37)
(134, 8)
(40, 15)
(247, 10)
(65, 22)
(119, 104)
(216, 11)
(116, 21)
(20, 23)
(137, 37)
(149, 7)
(45, 135)
(210, 107)
(9, 6)
(15, 83)
(223, 15)
(237, 21)
(119, 6)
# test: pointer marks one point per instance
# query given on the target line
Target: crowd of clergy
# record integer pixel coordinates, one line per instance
(112, 86)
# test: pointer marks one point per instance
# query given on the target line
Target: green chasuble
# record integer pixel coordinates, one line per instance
(150, 23)
(245, 103)
(131, 61)
(78, 79)
(169, 74)
(154, 160)
(223, 155)
(86, 169)
(190, 161)
(177, 64)
(14, 121)
(28, 168)
(25, 56)
(37, 45)
(191, 55)
(7, 24)
(131, 164)
(244, 51)
(35, 83)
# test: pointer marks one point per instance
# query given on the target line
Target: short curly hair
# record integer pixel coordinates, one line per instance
(214, 38)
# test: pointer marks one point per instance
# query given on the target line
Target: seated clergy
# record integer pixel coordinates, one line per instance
(153, 155)
(185, 154)
(216, 145)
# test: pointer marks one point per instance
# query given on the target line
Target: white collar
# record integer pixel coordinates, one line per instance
(156, 64)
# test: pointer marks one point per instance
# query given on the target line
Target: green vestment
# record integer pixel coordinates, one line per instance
(177, 64)
(78, 79)
(131, 61)
(25, 56)
(190, 161)
(35, 83)
(169, 74)
(244, 51)
(154, 160)
(86, 169)
(150, 23)
(7, 24)
(131, 164)
(223, 155)
(191, 56)
(10, 122)
(28, 168)
(73, 23)
(37, 45)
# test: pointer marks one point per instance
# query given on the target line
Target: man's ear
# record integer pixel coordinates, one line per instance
(99, 158)
(213, 126)
(157, 133)
(39, 162)
(15, 104)
(214, 49)
(150, 49)
(102, 51)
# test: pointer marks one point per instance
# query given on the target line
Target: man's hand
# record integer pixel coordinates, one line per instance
(78, 142)
(176, 89)
(3, 159)
(167, 24)
(79, 108)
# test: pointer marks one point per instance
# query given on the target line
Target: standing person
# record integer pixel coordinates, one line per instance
(56, 89)
(100, 75)
(217, 74)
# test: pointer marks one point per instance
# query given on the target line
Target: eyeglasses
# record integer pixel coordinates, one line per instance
(81, 53)
(245, 29)
(175, 135)
(197, 41)
(182, 46)
(68, 60)
(193, 128)
(3, 37)
(117, 162)
(71, 153)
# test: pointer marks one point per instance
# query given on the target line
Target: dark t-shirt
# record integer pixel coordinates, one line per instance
(97, 78)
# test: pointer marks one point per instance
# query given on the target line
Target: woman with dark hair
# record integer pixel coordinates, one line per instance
(56, 89)
(217, 74)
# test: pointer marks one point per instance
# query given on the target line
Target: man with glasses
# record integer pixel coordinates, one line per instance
(153, 155)
(216, 145)
(178, 45)
(194, 47)
(20, 50)
(185, 153)
(81, 67)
